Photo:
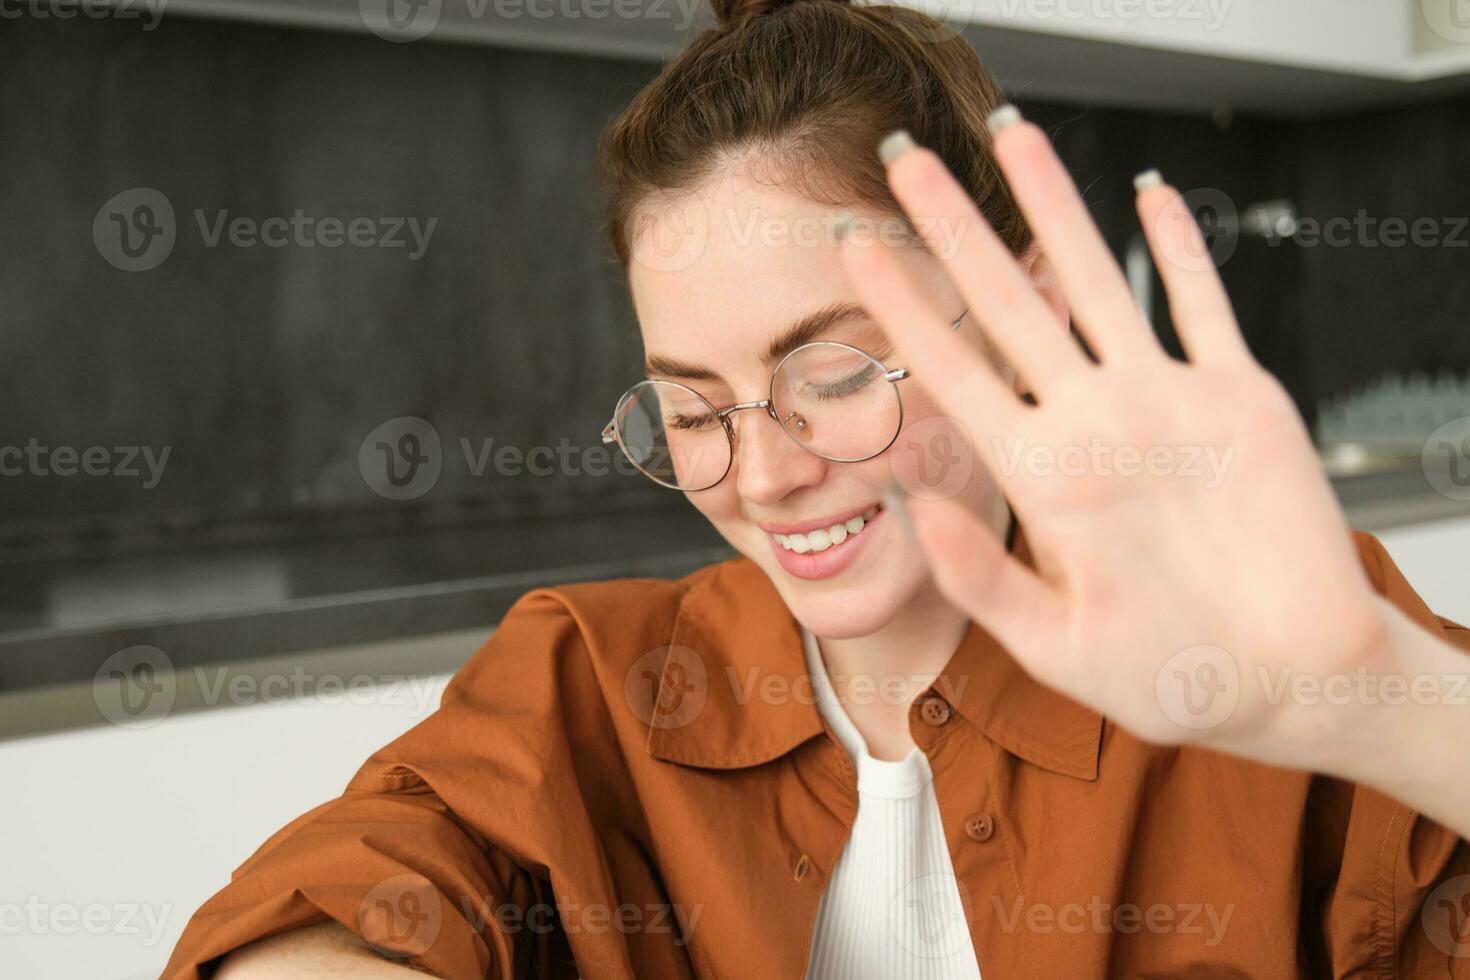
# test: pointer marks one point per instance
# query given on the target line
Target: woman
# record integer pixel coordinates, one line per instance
(874, 745)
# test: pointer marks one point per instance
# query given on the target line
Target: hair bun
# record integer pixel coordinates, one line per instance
(732, 12)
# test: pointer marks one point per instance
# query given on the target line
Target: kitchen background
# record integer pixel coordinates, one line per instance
(204, 429)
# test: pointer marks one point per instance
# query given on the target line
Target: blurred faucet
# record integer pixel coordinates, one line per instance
(1274, 220)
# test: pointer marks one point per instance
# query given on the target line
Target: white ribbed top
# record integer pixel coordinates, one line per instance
(892, 909)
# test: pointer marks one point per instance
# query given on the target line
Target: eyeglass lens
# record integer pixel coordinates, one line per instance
(831, 399)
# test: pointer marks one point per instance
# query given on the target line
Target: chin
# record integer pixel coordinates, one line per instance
(858, 603)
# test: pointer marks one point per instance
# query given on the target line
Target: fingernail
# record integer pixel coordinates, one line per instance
(894, 144)
(893, 500)
(1148, 179)
(1006, 115)
(841, 225)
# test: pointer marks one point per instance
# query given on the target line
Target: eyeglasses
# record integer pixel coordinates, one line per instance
(832, 399)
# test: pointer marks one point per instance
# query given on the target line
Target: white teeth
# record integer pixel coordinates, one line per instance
(824, 538)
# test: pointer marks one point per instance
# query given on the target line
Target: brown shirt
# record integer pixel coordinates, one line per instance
(634, 773)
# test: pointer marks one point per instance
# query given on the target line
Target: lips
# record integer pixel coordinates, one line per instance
(805, 527)
(827, 547)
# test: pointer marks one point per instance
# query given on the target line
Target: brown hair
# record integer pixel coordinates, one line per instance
(811, 86)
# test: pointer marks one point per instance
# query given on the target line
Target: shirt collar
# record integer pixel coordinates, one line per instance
(737, 673)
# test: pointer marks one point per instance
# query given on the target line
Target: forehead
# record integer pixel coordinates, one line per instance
(716, 271)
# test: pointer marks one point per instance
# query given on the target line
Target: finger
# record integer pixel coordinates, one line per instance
(1002, 297)
(960, 379)
(1102, 305)
(972, 568)
(1198, 303)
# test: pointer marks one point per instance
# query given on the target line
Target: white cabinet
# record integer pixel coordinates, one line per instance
(1285, 57)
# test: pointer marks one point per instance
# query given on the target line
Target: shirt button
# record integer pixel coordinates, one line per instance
(934, 710)
(980, 827)
(803, 865)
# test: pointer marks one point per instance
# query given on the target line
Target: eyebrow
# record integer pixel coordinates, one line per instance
(804, 330)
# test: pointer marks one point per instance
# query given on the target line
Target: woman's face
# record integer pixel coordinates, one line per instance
(752, 261)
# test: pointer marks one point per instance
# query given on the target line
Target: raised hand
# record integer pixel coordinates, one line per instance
(1188, 548)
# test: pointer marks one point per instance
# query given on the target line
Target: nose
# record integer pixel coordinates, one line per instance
(768, 463)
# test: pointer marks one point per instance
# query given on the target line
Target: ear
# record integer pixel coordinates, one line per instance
(1038, 269)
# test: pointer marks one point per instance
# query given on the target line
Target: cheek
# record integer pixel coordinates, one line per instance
(720, 504)
(938, 455)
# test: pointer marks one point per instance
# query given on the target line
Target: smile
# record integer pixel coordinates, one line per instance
(827, 537)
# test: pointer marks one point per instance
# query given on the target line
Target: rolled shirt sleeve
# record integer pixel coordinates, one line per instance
(1392, 884)
(442, 843)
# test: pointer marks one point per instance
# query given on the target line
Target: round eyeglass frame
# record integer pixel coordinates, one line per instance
(612, 432)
